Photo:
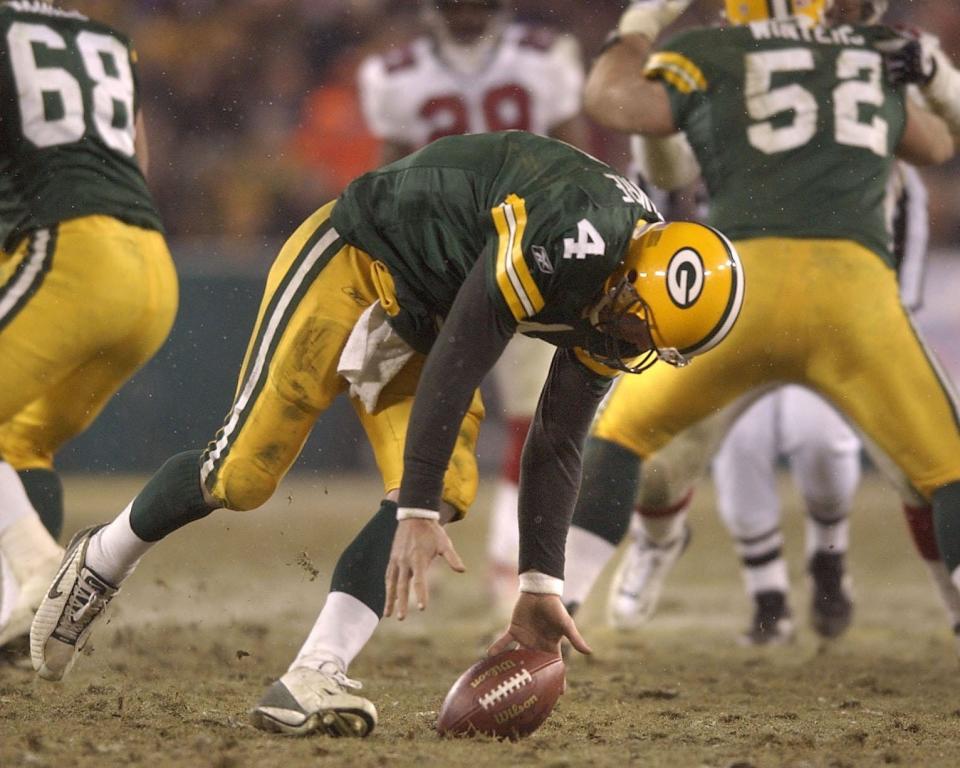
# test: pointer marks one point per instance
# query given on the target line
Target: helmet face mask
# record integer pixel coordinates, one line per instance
(623, 318)
(746, 11)
(676, 294)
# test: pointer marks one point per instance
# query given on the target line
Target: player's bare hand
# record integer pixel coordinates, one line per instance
(540, 622)
(415, 544)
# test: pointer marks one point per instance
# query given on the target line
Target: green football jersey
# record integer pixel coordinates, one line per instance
(794, 128)
(68, 100)
(550, 222)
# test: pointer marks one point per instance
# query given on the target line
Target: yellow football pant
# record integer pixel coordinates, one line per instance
(825, 314)
(83, 305)
(316, 291)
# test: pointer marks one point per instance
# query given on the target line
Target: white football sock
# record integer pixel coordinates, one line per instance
(586, 556)
(769, 577)
(14, 502)
(9, 590)
(503, 541)
(343, 627)
(663, 529)
(115, 550)
(28, 547)
(833, 538)
(946, 588)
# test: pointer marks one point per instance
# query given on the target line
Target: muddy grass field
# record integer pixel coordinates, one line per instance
(217, 612)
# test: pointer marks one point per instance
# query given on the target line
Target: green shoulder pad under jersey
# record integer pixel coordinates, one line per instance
(68, 101)
(794, 127)
(549, 221)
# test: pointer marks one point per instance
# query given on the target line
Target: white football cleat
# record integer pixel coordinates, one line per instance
(638, 582)
(307, 700)
(76, 599)
(29, 558)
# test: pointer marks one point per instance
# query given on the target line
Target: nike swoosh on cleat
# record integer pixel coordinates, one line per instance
(55, 592)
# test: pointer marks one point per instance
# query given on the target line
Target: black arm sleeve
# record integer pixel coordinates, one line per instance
(471, 340)
(552, 460)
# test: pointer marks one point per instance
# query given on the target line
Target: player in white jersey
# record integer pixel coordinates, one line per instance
(475, 71)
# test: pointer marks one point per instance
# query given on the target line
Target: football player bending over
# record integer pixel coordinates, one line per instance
(447, 254)
(802, 193)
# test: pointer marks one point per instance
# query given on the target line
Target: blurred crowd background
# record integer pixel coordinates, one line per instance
(252, 111)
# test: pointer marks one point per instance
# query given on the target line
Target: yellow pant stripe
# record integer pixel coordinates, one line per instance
(28, 275)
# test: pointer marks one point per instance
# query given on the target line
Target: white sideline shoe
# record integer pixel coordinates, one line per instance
(29, 558)
(306, 701)
(63, 622)
(639, 579)
(25, 596)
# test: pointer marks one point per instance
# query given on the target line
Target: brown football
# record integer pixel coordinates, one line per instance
(508, 695)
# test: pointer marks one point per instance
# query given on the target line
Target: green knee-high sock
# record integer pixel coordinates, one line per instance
(45, 492)
(171, 499)
(362, 568)
(946, 520)
(608, 490)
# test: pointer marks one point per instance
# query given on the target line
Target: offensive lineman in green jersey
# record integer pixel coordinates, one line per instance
(88, 290)
(795, 127)
(412, 283)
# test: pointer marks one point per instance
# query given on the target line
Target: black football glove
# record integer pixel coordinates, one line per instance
(907, 59)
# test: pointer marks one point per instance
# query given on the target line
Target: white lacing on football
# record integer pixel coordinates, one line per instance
(505, 688)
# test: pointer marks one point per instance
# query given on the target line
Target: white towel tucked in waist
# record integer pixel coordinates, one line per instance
(373, 355)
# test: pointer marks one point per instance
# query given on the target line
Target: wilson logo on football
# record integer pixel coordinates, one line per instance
(503, 666)
(685, 277)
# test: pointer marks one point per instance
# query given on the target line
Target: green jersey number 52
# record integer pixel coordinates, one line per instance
(765, 102)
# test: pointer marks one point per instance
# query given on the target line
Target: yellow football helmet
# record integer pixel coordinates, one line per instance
(745, 11)
(677, 292)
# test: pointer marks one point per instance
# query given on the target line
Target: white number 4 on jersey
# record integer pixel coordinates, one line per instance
(588, 242)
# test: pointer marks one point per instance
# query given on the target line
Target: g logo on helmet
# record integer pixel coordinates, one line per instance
(685, 277)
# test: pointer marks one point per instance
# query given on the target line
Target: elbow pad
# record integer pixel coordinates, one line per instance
(667, 162)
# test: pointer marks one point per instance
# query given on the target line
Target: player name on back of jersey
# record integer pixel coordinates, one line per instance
(797, 30)
(36, 6)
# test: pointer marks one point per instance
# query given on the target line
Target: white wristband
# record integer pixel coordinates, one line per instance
(405, 513)
(649, 18)
(540, 584)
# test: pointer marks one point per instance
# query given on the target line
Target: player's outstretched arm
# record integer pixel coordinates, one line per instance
(926, 139)
(471, 340)
(916, 58)
(549, 481)
(666, 161)
(618, 96)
